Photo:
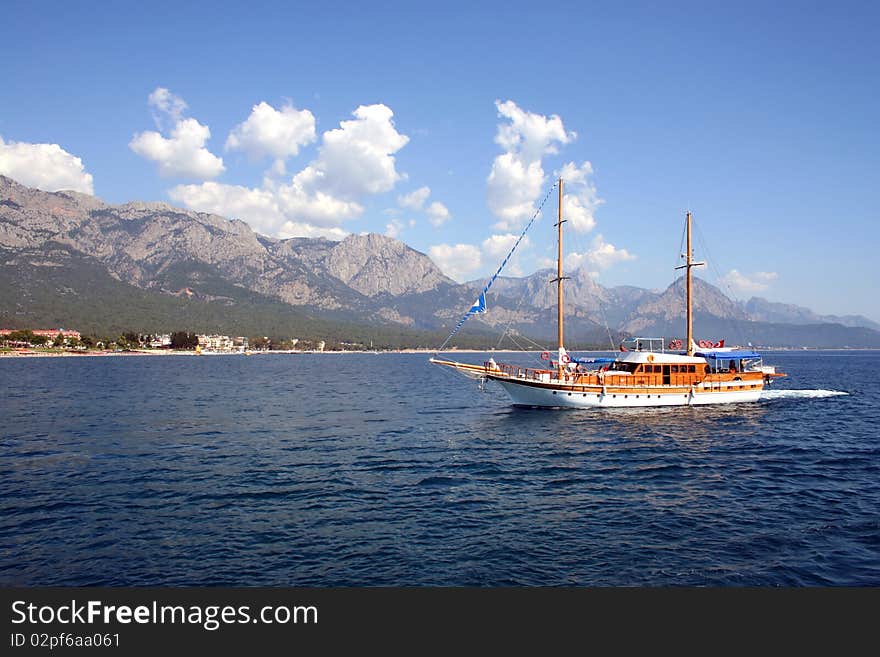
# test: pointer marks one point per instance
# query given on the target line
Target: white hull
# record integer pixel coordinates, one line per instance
(527, 395)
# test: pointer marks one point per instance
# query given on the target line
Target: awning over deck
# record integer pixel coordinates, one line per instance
(588, 361)
(728, 355)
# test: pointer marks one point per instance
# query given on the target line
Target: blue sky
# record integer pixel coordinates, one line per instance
(333, 118)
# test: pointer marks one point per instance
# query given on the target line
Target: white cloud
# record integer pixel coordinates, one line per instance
(393, 228)
(414, 200)
(166, 107)
(295, 229)
(517, 176)
(183, 154)
(456, 261)
(357, 159)
(259, 207)
(271, 210)
(275, 133)
(45, 166)
(571, 261)
(573, 174)
(498, 246)
(530, 135)
(600, 256)
(354, 161)
(317, 207)
(749, 284)
(438, 214)
(513, 188)
(581, 200)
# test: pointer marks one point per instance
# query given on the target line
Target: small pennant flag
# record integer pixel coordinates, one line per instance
(479, 305)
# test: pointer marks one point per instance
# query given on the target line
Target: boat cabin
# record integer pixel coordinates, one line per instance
(722, 361)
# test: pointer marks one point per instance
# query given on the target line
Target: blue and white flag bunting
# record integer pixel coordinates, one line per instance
(479, 305)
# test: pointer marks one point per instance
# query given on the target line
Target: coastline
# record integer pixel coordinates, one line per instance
(25, 353)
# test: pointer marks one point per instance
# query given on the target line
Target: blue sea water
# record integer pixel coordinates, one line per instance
(365, 469)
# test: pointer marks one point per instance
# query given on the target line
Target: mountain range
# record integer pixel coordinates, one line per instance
(68, 259)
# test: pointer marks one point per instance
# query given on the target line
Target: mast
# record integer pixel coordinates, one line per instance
(558, 280)
(690, 316)
(689, 263)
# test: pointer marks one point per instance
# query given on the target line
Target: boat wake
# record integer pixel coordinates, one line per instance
(800, 394)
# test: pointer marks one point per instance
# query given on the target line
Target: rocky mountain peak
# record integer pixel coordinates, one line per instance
(374, 264)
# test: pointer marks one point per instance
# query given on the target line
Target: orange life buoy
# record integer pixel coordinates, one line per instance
(705, 344)
(545, 355)
(565, 359)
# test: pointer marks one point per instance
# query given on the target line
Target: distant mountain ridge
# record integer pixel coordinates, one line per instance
(761, 309)
(154, 264)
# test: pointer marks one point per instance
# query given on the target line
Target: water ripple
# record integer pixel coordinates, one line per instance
(284, 471)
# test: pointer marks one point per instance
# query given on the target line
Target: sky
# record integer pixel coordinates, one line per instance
(445, 124)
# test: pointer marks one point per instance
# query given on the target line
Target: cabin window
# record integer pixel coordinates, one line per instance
(674, 369)
(691, 369)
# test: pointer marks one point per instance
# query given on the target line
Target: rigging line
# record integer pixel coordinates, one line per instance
(735, 328)
(503, 263)
(534, 344)
(536, 358)
(607, 328)
(522, 297)
(511, 336)
(540, 348)
(510, 323)
(580, 245)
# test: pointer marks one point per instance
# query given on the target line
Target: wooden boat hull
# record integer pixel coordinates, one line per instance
(529, 394)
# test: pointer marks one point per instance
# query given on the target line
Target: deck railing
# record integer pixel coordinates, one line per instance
(682, 380)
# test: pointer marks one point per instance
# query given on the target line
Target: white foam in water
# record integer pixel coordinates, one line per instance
(800, 394)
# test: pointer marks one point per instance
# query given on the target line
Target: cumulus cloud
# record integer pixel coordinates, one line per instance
(317, 207)
(438, 214)
(166, 107)
(517, 176)
(268, 211)
(354, 161)
(414, 200)
(357, 158)
(273, 210)
(749, 283)
(497, 246)
(600, 256)
(581, 200)
(530, 135)
(274, 133)
(183, 153)
(45, 166)
(456, 261)
(393, 228)
(297, 229)
(258, 207)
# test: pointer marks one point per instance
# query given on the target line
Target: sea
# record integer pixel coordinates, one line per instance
(384, 470)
